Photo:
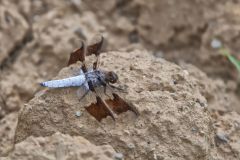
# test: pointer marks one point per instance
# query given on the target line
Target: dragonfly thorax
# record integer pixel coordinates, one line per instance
(111, 77)
(99, 77)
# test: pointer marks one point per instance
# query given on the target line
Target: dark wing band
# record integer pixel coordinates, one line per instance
(77, 55)
(117, 105)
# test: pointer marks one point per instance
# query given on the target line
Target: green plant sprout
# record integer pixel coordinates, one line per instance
(231, 58)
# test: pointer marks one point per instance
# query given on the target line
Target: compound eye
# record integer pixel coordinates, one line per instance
(112, 77)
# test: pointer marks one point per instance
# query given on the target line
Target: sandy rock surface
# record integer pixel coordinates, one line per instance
(60, 147)
(173, 122)
(227, 128)
(56, 27)
(13, 28)
(37, 36)
(166, 28)
(7, 131)
(220, 96)
(54, 36)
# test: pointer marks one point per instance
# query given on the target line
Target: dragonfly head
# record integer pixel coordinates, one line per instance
(111, 77)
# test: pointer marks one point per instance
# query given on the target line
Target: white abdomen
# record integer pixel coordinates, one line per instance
(67, 82)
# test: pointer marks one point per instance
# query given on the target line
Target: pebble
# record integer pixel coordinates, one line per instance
(159, 54)
(118, 156)
(76, 2)
(222, 136)
(216, 44)
(131, 146)
(78, 113)
(127, 132)
(194, 129)
(186, 72)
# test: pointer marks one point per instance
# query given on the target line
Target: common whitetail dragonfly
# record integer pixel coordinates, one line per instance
(89, 79)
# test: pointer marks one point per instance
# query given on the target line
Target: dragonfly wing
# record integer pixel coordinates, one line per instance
(116, 105)
(119, 105)
(77, 55)
(83, 91)
(100, 109)
(95, 47)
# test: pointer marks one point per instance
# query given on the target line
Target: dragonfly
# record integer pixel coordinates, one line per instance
(91, 78)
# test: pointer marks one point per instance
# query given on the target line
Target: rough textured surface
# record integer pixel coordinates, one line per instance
(172, 111)
(35, 45)
(56, 28)
(7, 131)
(227, 128)
(13, 30)
(222, 104)
(54, 39)
(60, 147)
(221, 97)
(166, 28)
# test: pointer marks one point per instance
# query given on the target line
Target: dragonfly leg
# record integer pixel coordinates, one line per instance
(84, 89)
(83, 95)
(117, 88)
(105, 91)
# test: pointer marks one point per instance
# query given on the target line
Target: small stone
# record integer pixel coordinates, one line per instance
(201, 133)
(159, 54)
(118, 156)
(76, 2)
(133, 37)
(186, 72)
(194, 129)
(222, 137)
(131, 145)
(216, 44)
(78, 113)
(202, 104)
(127, 132)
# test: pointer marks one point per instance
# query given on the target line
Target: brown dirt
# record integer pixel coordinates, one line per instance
(14, 29)
(36, 37)
(227, 128)
(60, 147)
(177, 31)
(7, 127)
(172, 111)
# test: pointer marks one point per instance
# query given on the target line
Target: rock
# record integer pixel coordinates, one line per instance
(222, 137)
(7, 130)
(227, 128)
(131, 146)
(167, 111)
(216, 44)
(162, 27)
(60, 147)
(54, 40)
(118, 156)
(78, 113)
(220, 97)
(13, 30)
